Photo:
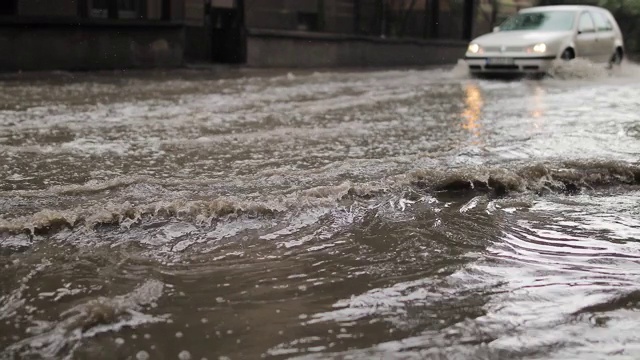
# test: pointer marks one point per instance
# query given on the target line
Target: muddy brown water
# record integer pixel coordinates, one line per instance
(392, 214)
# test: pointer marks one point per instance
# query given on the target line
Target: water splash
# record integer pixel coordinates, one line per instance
(60, 338)
(565, 178)
(577, 69)
(460, 70)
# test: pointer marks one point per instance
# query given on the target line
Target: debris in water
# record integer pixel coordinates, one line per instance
(184, 355)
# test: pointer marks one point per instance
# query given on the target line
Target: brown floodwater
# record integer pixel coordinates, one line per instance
(351, 214)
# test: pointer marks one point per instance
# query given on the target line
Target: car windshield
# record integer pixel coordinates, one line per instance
(541, 21)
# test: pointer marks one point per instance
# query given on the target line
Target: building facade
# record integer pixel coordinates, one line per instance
(322, 33)
(112, 34)
(91, 34)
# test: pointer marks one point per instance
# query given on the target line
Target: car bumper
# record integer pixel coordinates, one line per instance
(523, 65)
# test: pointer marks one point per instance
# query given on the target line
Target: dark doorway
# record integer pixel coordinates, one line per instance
(165, 10)
(8, 7)
(228, 34)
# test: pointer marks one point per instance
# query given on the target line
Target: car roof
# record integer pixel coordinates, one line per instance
(562, 8)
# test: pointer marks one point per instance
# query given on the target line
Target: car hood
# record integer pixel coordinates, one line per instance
(520, 38)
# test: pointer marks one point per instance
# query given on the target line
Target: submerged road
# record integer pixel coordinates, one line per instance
(333, 214)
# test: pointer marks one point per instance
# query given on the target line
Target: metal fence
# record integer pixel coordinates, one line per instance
(426, 19)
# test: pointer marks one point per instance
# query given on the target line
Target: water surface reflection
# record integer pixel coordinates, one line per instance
(472, 114)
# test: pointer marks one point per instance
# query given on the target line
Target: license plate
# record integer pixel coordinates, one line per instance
(499, 61)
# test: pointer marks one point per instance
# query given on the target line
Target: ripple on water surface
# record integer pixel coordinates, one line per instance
(387, 214)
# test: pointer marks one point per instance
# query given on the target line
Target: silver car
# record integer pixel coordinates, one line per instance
(529, 41)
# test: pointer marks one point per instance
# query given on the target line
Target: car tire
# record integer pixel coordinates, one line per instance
(567, 55)
(616, 58)
(538, 76)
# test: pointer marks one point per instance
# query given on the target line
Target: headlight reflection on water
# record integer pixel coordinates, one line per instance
(474, 103)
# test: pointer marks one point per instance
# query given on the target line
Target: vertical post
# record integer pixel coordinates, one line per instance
(142, 9)
(435, 18)
(377, 19)
(467, 19)
(356, 16)
(165, 12)
(112, 9)
(321, 15)
(242, 32)
(425, 19)
(383, 18)
(83, 8)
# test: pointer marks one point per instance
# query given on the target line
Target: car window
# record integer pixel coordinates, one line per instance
(586, 23)
(602, 23)
(540, 21)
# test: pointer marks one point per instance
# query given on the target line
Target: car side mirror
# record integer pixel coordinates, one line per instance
(496, 29)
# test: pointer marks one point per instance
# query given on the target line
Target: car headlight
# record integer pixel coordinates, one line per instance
(540, 48)
(473, 48)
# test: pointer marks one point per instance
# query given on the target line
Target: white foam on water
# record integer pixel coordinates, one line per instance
(460, 70)
(51, 339)
(18, 177)
(11, 302)
(96, 146)
(577, 69)
(297, 223)
(390, 302)
(585, 70)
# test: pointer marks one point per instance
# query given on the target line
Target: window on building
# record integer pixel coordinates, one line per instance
(128, 9)
(99, 8)
(117, 9)
(308, 21)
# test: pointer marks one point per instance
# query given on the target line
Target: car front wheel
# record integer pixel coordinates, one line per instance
(567, 55)
(616, 58)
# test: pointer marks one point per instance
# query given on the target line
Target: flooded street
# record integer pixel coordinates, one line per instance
(393, 214)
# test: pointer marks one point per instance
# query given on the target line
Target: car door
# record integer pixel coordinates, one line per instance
(586, 37)
(606, 37)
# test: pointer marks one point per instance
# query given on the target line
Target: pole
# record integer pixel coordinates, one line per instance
(383, 22)
(467, 19)
(356, 16)
(242, 32)
(112, 9)
(142, 9)
(435, 18)
(321, 15)
(83, 8)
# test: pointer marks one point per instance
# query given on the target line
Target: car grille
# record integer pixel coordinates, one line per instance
(501, 67)
(497, 49)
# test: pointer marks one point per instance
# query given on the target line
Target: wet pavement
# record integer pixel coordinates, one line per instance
(320, 214)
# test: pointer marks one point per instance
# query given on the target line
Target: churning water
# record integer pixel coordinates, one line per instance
(313, 215)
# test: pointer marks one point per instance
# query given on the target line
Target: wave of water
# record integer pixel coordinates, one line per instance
(51, 339)
(555, 282)
(393, 214)
(569, 178)
(445, 273)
